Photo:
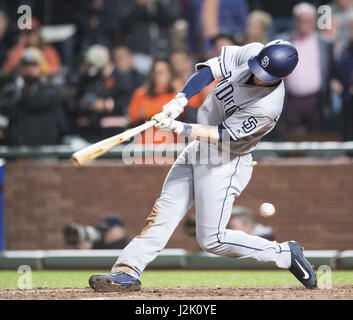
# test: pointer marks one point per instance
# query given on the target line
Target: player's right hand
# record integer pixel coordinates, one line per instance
(176, 106)
(166, 123)
(159, 117)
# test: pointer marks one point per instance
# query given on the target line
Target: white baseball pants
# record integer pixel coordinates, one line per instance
(213, 187)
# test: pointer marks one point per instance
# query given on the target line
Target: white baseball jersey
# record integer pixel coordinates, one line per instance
(247, 112)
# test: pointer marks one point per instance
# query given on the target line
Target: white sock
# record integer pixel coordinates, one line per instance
(284, 259)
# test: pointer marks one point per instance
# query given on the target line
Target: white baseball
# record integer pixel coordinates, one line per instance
(267, 210)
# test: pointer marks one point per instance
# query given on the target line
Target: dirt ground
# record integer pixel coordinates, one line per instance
(337, 292)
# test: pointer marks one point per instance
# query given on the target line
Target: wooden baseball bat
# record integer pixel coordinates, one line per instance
(97, 149)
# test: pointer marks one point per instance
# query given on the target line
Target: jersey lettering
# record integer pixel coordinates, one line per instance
(231, 110)
(225, 93)
(225, 79)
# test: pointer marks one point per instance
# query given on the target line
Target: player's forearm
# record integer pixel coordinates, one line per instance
(201, 132)
(197, 82)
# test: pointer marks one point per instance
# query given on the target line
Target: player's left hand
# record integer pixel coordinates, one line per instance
(176, 106)
(170, 125)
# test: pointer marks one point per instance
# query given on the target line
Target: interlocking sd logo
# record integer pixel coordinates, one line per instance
(265, 61)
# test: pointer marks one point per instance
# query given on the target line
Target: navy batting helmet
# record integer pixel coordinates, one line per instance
(275, 61)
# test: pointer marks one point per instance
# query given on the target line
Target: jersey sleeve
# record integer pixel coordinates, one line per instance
(231, 57)
(244, 125)
(213, 63)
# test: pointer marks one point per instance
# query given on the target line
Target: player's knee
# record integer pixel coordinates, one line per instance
(208, 243)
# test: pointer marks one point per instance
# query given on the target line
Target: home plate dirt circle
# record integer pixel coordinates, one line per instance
(337, 292)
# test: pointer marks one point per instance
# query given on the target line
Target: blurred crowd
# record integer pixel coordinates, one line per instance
(93, 68)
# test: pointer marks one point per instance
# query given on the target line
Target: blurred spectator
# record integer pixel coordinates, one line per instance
(220, 16)
(95, 25)
(342, 85)
(223, 39)
(258, 27)
(32, 38)
(5, 40)
(147, 26)
(192, 13)
(98, 96)
(242, 219)
(342, 11)
(150, 98)
(308, 85)
(183, 68)
(108, 233)
(189, 225)
(32, 105)
(127, 77)
(179, 33)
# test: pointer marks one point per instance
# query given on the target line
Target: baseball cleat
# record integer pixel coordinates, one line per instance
(300, 267)
(114, 282)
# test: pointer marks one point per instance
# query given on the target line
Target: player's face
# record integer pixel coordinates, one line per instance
(260, 83)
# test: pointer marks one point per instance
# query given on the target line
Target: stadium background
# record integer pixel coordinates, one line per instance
(310, 184)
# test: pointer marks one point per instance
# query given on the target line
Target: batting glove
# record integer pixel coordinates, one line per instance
(159, 117)
(176, 106)
(170, 125)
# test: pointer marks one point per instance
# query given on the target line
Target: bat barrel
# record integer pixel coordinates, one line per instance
(93, 151)
(75, 160)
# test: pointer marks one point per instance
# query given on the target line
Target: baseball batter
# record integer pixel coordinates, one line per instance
(243, 107)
